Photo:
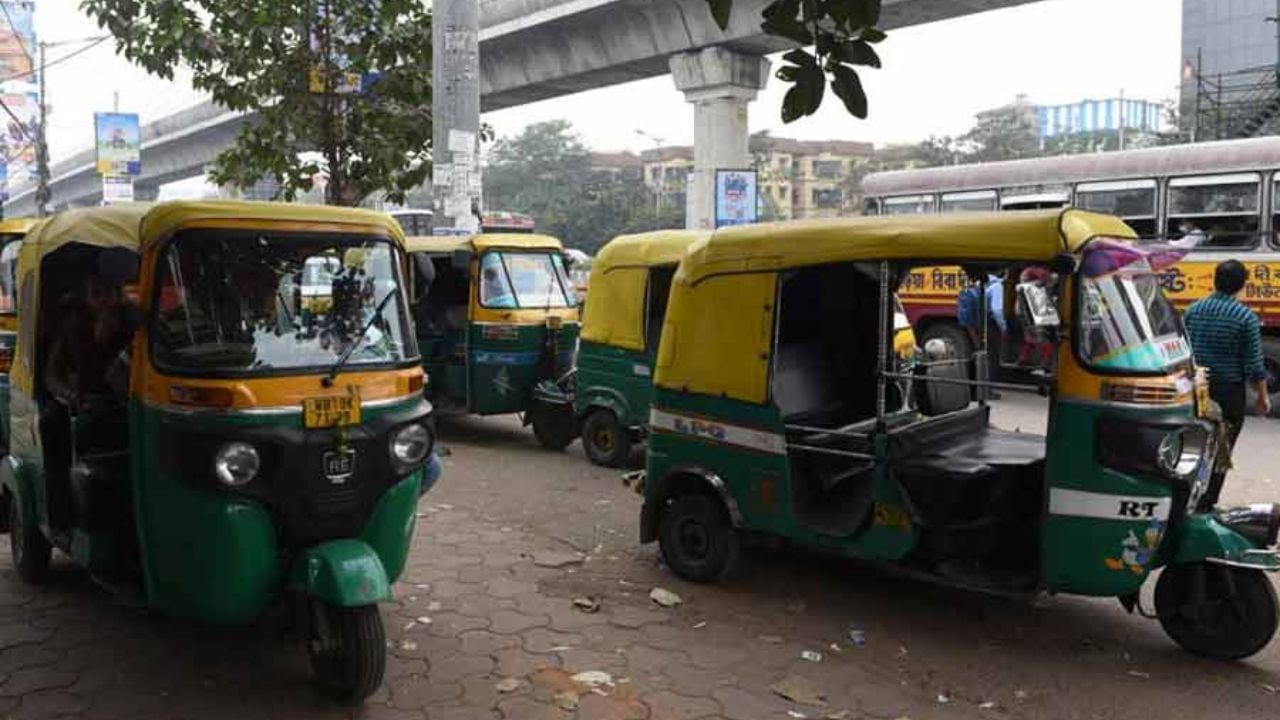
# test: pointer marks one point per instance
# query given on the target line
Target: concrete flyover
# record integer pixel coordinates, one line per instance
(529, 50)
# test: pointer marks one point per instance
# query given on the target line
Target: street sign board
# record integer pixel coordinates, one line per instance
(737, 202)
(118, 137)
(117, 189)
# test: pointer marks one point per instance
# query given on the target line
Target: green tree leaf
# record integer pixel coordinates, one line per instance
(256, 56)
(857, 52)
(848, 87)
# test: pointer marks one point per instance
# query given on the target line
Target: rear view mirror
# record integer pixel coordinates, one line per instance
(1039, 312)
(461, 260)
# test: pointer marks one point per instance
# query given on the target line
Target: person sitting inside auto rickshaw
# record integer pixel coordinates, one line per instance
(89, 344)
(87, 374)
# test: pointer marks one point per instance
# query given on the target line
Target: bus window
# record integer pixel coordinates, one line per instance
(1134, 201)
(1224, 207)
(1034, 197)
(908, 205)
(415, 223)
(977, 201)
(870, 206)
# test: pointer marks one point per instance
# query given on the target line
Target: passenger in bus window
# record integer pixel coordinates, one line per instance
(1192, 236)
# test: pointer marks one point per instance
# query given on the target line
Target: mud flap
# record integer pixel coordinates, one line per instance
(343, 573)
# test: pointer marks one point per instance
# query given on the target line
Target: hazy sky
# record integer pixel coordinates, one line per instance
(935, 78)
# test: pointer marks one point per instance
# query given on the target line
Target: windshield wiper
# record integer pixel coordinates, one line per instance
(327, 380)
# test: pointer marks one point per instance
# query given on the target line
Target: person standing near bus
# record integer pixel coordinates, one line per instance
(1226, 338)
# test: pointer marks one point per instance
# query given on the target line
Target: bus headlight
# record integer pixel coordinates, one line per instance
(411, 444)
(236, 464)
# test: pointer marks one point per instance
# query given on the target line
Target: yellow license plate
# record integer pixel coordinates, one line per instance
(332, 411)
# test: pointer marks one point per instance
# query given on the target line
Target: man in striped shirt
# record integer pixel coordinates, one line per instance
(1227, 339)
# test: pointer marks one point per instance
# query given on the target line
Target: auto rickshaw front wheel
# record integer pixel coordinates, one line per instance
(696, 538)
(606, 442)
(348, 650)
(31, 549)
(1217, 611)
(553, 424)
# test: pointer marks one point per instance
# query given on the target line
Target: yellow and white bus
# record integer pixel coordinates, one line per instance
(1226, 195)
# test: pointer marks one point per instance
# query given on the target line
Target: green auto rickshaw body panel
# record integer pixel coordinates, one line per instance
(615, 378)
(216, 554)
(1104, 530)
(743, 445)
(345, 573)
(503, 364)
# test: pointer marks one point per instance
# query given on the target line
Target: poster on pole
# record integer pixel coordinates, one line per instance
(119, 141)
(117, 189)
(736, 199)
(19, 88)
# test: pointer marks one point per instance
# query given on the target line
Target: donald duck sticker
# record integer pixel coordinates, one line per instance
(1135, 552)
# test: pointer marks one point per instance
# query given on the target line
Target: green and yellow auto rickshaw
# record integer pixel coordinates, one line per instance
(497, 321)
(620, 332)
(774, 414)
(209, 452)
(621, 324)
(11, 233)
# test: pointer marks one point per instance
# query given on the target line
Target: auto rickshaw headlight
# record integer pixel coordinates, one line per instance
(1169, 454)
(411, 444)
(236, 464)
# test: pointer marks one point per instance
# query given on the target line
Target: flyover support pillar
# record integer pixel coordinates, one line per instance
(720, 83)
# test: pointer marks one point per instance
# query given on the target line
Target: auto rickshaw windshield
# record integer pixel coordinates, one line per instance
(265, 303)
(1125, 322)
(524, 280)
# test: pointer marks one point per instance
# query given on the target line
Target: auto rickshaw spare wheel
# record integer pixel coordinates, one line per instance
(697, 540)
(553, 424)
(605, 440)
(1217, 611)
(30, 548)
(348, 650)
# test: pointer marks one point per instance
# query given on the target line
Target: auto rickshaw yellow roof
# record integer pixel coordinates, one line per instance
(660, 247)
(482, 242)
(618, 291)
(1033, 235)
(136, 225)
(12, 226)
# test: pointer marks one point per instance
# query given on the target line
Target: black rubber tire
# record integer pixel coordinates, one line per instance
(606, 442)
(553, 425)
(697, 540)
(1223, 628)
(348, 651)
(953, 335)
(30, 548)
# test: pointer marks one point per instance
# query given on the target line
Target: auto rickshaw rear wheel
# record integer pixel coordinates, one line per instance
(1219, 612)
(553, 425)
(31, 549)
(605, 440)
(696, 538)
(348, 650)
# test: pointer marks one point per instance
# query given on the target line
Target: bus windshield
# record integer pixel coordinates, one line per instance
(300, 302)
(1125, 322)
(524, 280)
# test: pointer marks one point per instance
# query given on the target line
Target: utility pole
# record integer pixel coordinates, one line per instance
(43, 194)
(455, 110)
